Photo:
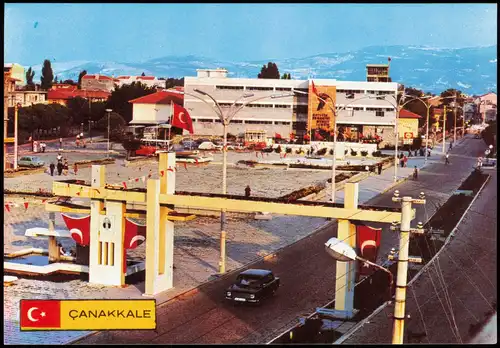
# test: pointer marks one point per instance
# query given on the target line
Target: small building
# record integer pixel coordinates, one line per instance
(61, 96)
(377, 73)
(28, 98)
(17, 72)
(98, 83)
(149, 81)
(152, 111)
(487, 106)
(408, 125)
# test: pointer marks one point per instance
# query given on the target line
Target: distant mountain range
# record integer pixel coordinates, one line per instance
(471, 70)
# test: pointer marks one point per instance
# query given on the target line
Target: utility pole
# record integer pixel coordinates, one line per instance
(16, 141)
(455, 124)
(403, 259)
(444, 129)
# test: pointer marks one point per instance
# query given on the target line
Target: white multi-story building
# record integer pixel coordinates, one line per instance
(363, 113)
(149, 81)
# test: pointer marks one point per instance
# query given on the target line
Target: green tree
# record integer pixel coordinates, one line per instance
(80, 76)
(269, 72)
(173, 82)
(70, 82)
(47, 77)
(116, 125)
(131, 144)
(79, 110)
(415, 106)
(30, 74)
(143, 74)
(448, 99)
(55, 79)
(119, 99)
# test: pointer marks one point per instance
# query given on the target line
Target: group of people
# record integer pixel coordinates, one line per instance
(62, 168)
(80, 140)
(39, 147)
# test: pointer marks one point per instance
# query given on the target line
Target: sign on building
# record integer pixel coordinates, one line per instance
(320, 113)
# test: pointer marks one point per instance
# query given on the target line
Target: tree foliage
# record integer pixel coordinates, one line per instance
(116, 125)
(131, 144)
(30, 74)
(173, 82)
(269, 72)
(47, 77)
(119, 99)
(69, 82)
(286, 76)
(80, 76)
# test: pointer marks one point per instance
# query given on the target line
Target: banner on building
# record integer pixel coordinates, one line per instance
(368, 243)
(320, 104)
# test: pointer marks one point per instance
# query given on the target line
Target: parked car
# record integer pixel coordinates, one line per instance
(189, 144)
(253, 286)
(146, 151)
(30, 161)
(208, 145)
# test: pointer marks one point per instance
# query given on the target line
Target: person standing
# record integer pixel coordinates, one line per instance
(59, 168)
(405, 160)
(379, 168)
(402, 162)
(66, 167)
(479, 162)
(451, 144)
(59, 157)
(447, 159)
(247, 191)
(60, 143)
(75, 168)
(415, 173)
(52, 168)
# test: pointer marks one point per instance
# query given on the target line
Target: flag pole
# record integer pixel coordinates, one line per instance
(170, 124)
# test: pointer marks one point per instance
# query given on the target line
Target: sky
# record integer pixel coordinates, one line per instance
(234, 32)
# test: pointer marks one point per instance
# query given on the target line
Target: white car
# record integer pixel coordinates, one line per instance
(208, 145)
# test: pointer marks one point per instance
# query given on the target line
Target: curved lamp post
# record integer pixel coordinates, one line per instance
(225, 120)
(342, 251)
(109, 113)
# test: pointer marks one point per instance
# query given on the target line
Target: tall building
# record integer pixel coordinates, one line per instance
(377, 73)
(363, 114)
(17, 72)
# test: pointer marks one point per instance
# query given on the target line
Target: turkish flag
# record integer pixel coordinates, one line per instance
(368, 242)
(181, 118)
(40, 314)
(79, 227)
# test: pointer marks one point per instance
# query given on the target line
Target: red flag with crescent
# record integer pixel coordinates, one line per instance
(79, 228)
(181, 118)
(368, 243)
(135, 235)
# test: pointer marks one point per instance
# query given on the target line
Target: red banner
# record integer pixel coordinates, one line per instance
(79, 227)
(368, 242)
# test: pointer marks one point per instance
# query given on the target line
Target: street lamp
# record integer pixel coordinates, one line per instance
(225, 119)
(109, 113)
(342, 251)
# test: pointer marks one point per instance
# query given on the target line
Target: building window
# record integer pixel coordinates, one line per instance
(258, 122)
(282, 106)
(299, 126)
(379, 113)
(252, 88)
(206, 120)
(260, 105)
(300, 109)
(236, 121)
(284, 123)
(229, 87)
(283, 89)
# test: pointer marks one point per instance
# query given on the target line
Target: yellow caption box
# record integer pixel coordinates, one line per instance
(108, 314)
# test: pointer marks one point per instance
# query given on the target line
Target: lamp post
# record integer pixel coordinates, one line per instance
(225, 120)
(16, 134)
(335, 113)
(341, 251)
(109, 113)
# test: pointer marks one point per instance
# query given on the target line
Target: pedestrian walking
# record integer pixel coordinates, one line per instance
(59, 157)
(379, 168)
(247, 191)
(59, 168)
(77, 142)
(421, 151)
(84, 145)
(447, 159)
(402, 162)
(479, 162)
(60, 143)
(428, 152)
(52, 168)
(409, 153)
(75, 168)
(415, 173)
(405, 160)
(416, 152)
(451, 144)
(66, 167)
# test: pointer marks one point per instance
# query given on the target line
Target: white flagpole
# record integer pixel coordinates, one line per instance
(170, 123)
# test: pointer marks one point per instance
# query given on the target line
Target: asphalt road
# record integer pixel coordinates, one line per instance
(307, 276)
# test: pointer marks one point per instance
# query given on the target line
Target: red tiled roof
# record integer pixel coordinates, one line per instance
(162, 97)
(145, 77)
(408, 114)
(123, 77)
(101, 77)
(68, 94)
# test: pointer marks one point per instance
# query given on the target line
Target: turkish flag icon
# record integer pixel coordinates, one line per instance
(368, 243)
(181, 118)
(40, 314)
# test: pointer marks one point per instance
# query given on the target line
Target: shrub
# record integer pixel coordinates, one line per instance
(278, 149)
(288, 150)
(354, 153)
(331, 152)
(364, 153)
(321, 152)
(346, 152)
(376, 153)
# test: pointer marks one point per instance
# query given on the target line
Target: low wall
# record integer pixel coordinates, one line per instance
(340, 148)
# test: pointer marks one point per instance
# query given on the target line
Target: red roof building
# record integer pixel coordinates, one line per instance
(408, 114)
(96, 77)
(161, 97)
(61, 96)
(98, 83)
